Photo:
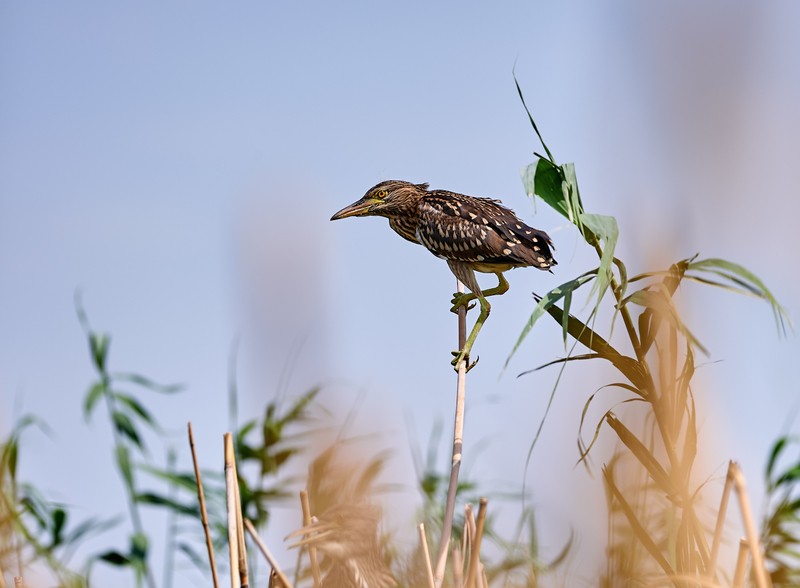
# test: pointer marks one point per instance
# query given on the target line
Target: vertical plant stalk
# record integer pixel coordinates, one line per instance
(426, 556)
(201, 498)
(266, 553)
(474, 556)
(242, 548)
(120, 448)
(711, 571)
(458, 443)
(169, 549)
(312, 551)
(741, 564)
(458, 568)
(759, 570)
(230, 487)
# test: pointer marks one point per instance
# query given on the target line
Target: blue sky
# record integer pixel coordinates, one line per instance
(179, 165)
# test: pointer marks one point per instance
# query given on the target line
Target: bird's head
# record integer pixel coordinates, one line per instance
(389, 198)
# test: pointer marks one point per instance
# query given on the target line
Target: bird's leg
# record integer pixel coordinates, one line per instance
(464, 298)
(463, 354)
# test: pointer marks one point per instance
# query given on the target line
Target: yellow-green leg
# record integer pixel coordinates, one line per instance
(463, 355)
(463, 299)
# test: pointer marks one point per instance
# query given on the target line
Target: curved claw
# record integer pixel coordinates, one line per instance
(459, 356)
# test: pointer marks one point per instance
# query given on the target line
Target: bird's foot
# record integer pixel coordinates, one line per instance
(463, 356)
(462, 299)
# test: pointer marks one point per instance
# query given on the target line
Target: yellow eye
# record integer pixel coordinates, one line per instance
(383, 194)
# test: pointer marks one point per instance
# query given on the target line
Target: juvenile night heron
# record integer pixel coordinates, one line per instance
(347, 535)
(470, 233)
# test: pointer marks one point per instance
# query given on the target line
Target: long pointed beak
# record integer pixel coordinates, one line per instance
(358, 208)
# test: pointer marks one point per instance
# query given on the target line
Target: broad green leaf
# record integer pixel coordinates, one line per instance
(544, 303)
(543, 179)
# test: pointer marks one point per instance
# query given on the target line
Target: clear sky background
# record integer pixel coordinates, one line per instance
(179, 164)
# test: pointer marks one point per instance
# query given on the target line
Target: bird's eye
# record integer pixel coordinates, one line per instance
(382, 194)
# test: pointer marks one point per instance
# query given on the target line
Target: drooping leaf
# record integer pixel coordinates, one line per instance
(99, 342)
(636, 526)
(605, 231)
(544, 303)
(543, 179)
(124, 425)
(747, 281)
(145, 382)
(136, 408)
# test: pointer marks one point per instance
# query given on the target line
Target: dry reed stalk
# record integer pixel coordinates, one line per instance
(266, 553)
(741, 564)
(19, 582)
(458, 442)
(201, 498)
(312, 551)
(476, 546)
(241, 547)
(230, 489)
(426, 555)
(2, 578)
(711, 570)
(458, 568)
(759, 569)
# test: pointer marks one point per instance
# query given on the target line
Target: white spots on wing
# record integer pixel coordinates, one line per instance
(540, 259)
(486, 222)
(507, 251)
(473, 216)
(481, 258)
(536, 248)
(528, 233)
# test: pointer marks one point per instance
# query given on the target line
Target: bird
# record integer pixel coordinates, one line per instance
(346, 534)
(470, 233)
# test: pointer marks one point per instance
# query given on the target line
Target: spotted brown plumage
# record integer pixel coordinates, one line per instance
(470, 233)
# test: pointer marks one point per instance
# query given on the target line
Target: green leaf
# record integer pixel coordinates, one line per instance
(92, 396)
(115, 558)
(136, 408)
(546, 302)
(139, 546)
(533, 122)
(154, 499)
(98, 343)
(605, 230)
(144, 382)
(126, 428)
(543, 179)
(777, 448)
(58, 521)
(124, 464)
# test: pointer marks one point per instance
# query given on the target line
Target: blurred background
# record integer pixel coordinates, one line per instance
(178, 165)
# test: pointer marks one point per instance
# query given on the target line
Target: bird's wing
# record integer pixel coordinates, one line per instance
(468, 229)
